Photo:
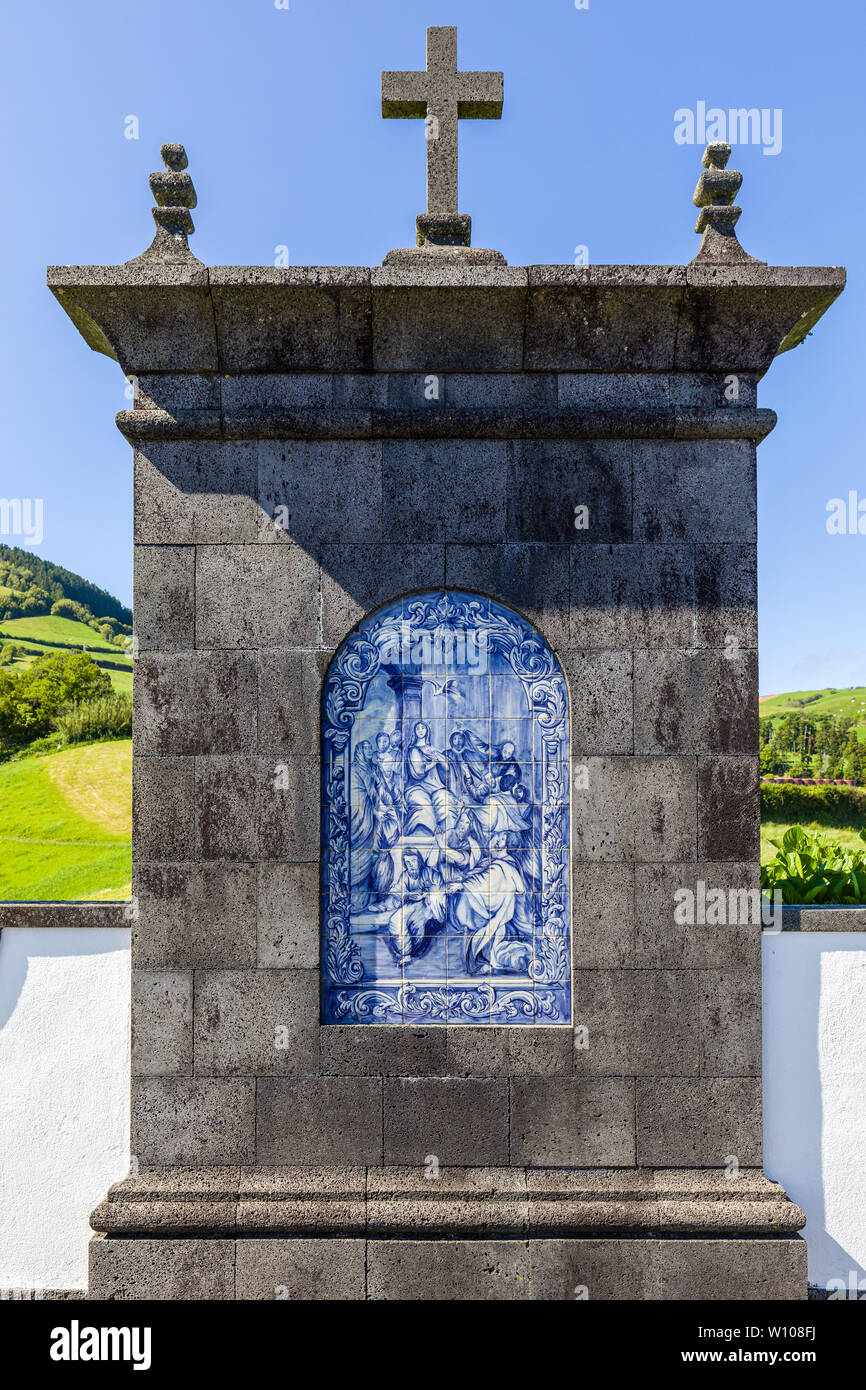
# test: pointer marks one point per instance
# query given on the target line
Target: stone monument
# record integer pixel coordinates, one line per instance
(445, 704)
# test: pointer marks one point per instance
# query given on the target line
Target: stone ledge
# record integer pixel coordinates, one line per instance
(159, 317)
(399, 1201)
(139, 426)
(160, 273)
(817, 919)
(292, 276)
(70, 914)
(431, 272)
(38, 1295)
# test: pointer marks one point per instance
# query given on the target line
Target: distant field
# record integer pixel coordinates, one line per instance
(66, 823)
(48, 634)
(814, 703)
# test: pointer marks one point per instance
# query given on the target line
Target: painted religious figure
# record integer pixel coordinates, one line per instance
(445, 856)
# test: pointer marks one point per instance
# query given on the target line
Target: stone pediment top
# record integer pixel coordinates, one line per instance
(398, 1201)
(159, 316)
(433, 274)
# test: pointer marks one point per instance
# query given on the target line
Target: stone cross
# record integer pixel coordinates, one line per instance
(442, 96)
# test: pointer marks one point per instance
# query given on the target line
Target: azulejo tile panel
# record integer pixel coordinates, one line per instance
(445, 819)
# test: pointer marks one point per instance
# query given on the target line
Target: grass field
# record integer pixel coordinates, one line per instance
(66, 823)
(48, 634)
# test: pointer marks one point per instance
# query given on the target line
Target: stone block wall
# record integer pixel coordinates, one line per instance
(651, 610)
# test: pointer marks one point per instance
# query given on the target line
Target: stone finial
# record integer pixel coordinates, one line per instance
(717, 188)
(174, 194)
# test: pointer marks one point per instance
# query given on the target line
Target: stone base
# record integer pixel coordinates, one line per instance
(472, 1233)
(443, 239)
(427, 257)
(591, 1268)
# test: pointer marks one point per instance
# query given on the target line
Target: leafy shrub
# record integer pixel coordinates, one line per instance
(68, 608)
(847, 805)
(111, 630)
(813, 868)
(802, 767)
(52, 743)
(108, 716)
(771, 763)
(31, 605)
(30, 700)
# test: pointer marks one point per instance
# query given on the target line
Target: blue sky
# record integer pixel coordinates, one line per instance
(279, 111)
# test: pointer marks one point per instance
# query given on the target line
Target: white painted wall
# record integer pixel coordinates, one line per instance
(815, 1092)
(64, 1107)
(64, 1096)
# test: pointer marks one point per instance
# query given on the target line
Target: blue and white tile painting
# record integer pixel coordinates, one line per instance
(445, 819)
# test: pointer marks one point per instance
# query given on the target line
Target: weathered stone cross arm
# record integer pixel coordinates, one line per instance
(401, 95)
(479, 95)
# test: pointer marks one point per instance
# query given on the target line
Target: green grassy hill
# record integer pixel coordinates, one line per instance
(66, 632)
(66, 824)
(815, 733)
(812, 704)
(65, 806)
(43, 635)
(30, 585)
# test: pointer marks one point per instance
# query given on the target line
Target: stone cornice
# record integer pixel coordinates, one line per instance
(423, 423)
(460, 1202)
(182, 317)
